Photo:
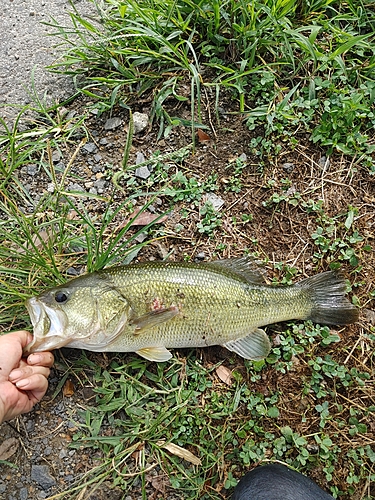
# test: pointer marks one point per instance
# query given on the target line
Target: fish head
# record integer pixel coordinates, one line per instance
(84, 313)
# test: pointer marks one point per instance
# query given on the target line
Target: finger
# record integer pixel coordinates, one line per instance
(41, 359)
(28, 371)
(36, 386)
(22, 336)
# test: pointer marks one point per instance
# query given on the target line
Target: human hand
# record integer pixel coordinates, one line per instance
(23, 381)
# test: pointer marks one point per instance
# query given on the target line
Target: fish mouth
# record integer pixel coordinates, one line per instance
(49, 327)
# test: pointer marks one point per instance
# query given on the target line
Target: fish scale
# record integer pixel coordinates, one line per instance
(151, 307)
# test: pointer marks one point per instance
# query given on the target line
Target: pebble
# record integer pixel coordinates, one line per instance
(324, 162)
(48, 449)
(112, 123)
(96, 168)
(24, 495)
(75, 187)
(215, 200)
(100, 185)
(288, 167)
(41, 475)
(141, 237)
(90, 147)
(140, 122)
(56, 156)
(30, 425)
(32, 169)
(142, 172)
(140, 158)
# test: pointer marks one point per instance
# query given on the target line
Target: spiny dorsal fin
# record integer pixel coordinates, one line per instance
(246, 267)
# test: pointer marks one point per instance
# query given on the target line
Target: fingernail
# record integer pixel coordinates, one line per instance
(23, 383)
(13, 375)
(33, 359)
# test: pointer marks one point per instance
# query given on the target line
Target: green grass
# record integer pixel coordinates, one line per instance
(295, 68)
(142, 406)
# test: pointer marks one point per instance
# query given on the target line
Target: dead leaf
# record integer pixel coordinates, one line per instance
(159, 483)
(369, 315)
(146, 218)
(142, 219)
(224, 374)
(38, 241)
(68, 389)
(180, 452)
(8, 448)
(202, 136)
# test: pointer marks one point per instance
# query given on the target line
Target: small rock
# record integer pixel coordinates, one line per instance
(51, 187)
(71, 271)
(288, 167)
(60, 166)
(103, 142)
(243, 157)
(32, 169)
(140, 158)
(140, 122)
(142, 172)
(90, 147)
(201, 256)
(48, 449)
(30, 425)
(97, 157)
(312, 448)
(324, 162)
(140, 238)
(215, 200)
(24, 495)
(75, 187)
(97, 168)
(100, 185)
(63, 454)
(112, 123)
(41, 475)
(56, 156)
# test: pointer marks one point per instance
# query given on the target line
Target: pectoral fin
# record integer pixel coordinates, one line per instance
(153, 318)
(157, 354)
(254, 346)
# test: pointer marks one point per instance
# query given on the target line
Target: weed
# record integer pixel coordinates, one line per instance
(210, 219)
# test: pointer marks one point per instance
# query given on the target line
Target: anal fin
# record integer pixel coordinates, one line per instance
(158, 354)
(254, 346)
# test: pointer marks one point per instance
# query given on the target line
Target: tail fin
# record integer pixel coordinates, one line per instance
(330, 306)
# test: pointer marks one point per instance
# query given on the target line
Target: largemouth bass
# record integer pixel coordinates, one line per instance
(150, 307)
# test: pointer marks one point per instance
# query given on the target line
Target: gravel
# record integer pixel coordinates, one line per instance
(26, 50)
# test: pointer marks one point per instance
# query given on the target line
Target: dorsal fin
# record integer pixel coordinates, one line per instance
(246, 267)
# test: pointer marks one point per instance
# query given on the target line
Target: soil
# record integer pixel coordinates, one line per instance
(279, 232)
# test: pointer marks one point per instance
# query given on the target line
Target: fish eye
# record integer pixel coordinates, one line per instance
(61, 297)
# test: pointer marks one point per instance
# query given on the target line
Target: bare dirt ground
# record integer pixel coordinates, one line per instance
(279, 196)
